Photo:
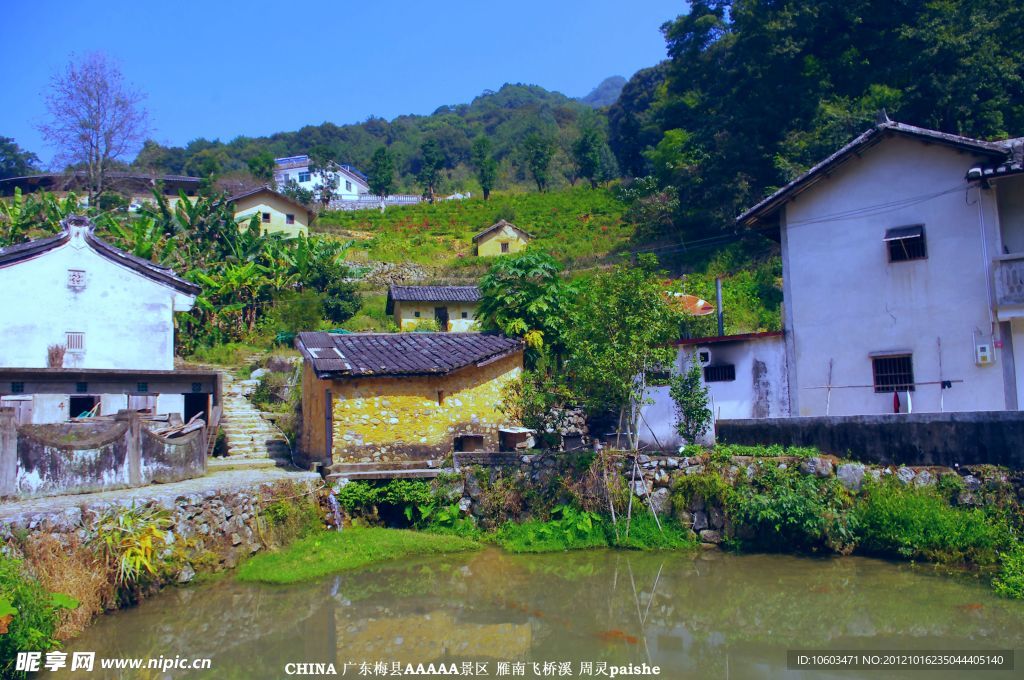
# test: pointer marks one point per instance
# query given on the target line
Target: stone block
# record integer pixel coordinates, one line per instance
(851, 475)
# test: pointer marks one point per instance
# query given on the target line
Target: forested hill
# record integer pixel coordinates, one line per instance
(606, 93)
(508, 117)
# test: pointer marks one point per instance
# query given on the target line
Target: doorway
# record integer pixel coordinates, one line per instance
(441, 316)
(197, 403)
(81, 406)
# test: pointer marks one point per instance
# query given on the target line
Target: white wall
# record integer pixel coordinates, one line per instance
(127, 318)
(282, 177)
(1010, 193)
(844, 300)
(760, 390)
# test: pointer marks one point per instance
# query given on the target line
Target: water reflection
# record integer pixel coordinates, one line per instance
(704, 615)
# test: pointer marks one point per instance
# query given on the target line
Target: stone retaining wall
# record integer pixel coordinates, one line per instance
(658, 475)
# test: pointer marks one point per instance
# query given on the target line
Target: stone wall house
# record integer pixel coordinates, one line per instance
(903, 275)
(501, 238)
(278, 214)
(370, 397)
(109, 317)
(452, 307)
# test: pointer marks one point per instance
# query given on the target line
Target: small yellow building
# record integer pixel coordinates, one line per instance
(452, 307)
(373, 397)
(278, 213)
(501, 238)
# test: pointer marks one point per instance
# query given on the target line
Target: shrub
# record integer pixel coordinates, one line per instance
(1010, 581)
(28, 615)
(644, 533)
(916, 522)
(131, 539)
(786, 509)
(568, 529)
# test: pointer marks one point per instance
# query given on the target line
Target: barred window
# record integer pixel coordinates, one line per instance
(893, 373)
(906, 243)
(74, 341)
(720, 373)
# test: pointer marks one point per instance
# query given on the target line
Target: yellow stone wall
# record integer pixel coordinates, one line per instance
(384, 419)
(406, 319)
(490, 245)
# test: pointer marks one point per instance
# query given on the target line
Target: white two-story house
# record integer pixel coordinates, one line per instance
(903, 266)
(88, 328)
(351, 183)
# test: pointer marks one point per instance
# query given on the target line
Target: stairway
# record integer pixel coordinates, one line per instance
(407, 469)
(252, 440)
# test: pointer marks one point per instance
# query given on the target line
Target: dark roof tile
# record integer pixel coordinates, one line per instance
(398, 354)
(430, 294)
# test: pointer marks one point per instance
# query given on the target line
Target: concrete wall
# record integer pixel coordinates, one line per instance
(406, 319)
(278, 209)
(1010, 197)
(490, 245)
(991, 437)
(395, 418)
(127, 319)
(71, 458)
(760, 390)
(844, 300)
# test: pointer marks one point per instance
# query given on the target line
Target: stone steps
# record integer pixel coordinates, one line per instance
(242, 463)
(250, 437)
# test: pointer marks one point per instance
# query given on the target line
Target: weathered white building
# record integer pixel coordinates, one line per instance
(100, 307)
(903, 266)
(745, 375)
(351, 183)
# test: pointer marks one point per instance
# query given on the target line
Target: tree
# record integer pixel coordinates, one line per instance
(328, 174)
(15, 161)
(539, 150)
(431, 162)
(382, 173)
(690, 395)
(261, 166)
(586, 155)
(94, 118)
(484, 164)
(525, 296)
(621, 330)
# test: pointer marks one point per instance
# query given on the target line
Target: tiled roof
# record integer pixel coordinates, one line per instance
(267, 190)
(157, 272)
(430, 294)
(401, 354)
(500, 224)
(770, 205)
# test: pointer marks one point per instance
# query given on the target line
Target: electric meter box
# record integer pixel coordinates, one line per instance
(983, 354)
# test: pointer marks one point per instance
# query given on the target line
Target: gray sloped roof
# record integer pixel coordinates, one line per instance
(151, 270)
(499, 225)
(400, 354)
(770, 205)
(430, 294)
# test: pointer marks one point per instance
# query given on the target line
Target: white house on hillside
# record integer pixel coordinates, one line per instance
(903, 265)
(351, 183)
(111, 312)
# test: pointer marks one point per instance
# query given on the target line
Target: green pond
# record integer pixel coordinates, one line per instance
(695, 615)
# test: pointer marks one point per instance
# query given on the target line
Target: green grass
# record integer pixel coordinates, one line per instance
(331, 552)
(570, 224)
(1010, 581)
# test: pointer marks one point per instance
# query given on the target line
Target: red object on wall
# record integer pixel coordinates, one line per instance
(895, 402)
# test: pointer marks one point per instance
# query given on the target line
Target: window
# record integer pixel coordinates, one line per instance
(142, 387)
(416, 314)
(906, 243)
(266, 217)
(76, 279)
(348, 185)
(465, 315)
(81, 387)
(74, 341)
(893, 373)
(17, 388)
(303, 176)
(504, 247)
(720, 373)
(289, 219)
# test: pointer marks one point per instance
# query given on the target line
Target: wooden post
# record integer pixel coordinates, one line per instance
(8, 451)
(328, 428)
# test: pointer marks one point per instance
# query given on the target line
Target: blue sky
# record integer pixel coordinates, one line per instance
(220, 69)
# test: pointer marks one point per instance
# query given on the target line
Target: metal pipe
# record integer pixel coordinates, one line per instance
(718, 306)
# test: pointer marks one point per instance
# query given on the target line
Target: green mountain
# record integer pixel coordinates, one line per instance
(605, 94)
(507, 117)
